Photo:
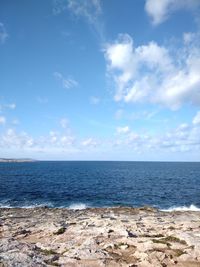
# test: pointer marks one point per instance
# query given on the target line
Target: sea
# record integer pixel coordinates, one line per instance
(81, 184)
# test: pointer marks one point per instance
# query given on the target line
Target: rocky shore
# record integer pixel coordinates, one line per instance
(99, 237)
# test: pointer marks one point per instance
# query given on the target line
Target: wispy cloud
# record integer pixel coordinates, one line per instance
(2, 120)
(59, 6)
(89, 10)
(66, 82)
(123, 130)
(160, 10)
(196, 119)
(89, 142)
(64, 122)
(3, 33)
(11, 106)
(15, 122)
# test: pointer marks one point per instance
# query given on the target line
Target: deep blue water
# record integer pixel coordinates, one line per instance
(96, 184)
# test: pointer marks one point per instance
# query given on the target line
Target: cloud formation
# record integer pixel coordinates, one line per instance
(57, 139)
(159, 11)
(90, 9)
(12, 139)
(154, 73)
(183, 138)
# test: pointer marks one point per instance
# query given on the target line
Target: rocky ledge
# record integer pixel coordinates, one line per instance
(99, 237)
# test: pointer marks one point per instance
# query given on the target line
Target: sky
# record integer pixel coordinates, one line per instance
(100, 80)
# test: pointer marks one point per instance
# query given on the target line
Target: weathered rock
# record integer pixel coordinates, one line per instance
(125, 237)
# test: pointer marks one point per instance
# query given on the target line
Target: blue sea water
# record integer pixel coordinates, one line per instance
(79, 184)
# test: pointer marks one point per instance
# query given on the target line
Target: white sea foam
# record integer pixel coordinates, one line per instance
(5, 206)
(182, 208)
(28, 206)
(78, 206)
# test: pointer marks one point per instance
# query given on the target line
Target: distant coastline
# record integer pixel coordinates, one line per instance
(16, 160)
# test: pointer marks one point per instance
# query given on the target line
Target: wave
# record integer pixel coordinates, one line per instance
(182, 208)
(81, 206)
(31, 204)
(26, 206)
(78, 206)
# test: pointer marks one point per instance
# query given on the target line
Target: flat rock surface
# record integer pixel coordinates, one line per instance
(99, 237)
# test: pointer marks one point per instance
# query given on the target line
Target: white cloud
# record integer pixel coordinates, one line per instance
(153, 73)
(133, 137)
(66, 82)
(196, 119)
(53, 137)
(160, 10)
(94, 100)
(12, 139)
(184, 138)
(62, 139)
(188, 37)
(3, 34)
(2, 120)
(123, 130)
(89, 142)
(67, 140)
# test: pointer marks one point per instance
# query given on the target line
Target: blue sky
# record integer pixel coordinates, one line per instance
(100, 80)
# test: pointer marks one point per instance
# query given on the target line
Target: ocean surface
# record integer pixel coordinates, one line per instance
(79, 184)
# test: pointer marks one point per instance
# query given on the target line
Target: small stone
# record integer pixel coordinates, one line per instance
(130, 234)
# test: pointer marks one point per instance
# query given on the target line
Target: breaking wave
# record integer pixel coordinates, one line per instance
(78, 206)
(182, 208)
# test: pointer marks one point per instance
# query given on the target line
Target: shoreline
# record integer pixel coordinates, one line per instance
(83, 206)
(118, 236)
